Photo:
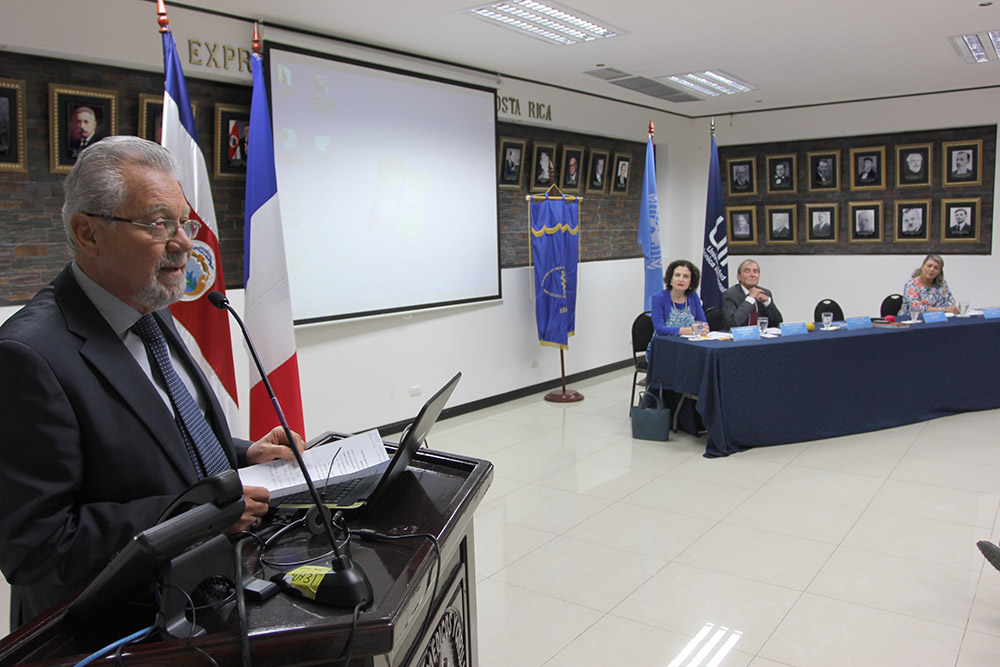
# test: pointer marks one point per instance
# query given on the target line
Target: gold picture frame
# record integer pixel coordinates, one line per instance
(865, 222)
(78, 117)
(13, 135)
(232, 126)
(781, 223)
(741, 224)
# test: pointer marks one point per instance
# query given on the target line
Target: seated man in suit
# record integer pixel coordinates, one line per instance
(744, 302)
(106, 415)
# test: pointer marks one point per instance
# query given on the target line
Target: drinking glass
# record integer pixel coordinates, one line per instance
(827, 320)
(762, 323)
(963, 308)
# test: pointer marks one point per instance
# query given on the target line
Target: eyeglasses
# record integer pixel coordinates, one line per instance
(161, 230)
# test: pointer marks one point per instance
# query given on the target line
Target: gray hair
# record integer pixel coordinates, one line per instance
(744, 263)
(96, 184)
(940, 277)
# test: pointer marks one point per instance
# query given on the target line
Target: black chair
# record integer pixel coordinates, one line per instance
(891, 305)
(642, 333)
(827, 306)
(713, 316)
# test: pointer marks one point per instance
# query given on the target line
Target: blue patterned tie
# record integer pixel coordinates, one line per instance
(206, 453)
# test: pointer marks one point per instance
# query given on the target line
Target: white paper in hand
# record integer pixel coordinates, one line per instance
(356, 456)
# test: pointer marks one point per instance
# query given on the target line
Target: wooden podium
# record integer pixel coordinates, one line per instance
(437, 494)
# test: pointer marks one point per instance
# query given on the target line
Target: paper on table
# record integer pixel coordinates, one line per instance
(355, 456)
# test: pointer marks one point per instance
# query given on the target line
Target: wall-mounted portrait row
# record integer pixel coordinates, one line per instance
(865, 222)
(598, 175)
(866, 169)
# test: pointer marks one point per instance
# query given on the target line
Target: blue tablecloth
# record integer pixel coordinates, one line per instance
(831, 383)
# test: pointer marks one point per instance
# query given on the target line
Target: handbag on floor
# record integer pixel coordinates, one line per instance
(651, 418)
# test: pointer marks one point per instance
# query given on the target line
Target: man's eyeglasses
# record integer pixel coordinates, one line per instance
(161, 230)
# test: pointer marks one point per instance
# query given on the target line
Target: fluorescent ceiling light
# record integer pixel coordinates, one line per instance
(550, 22)
(976, 48)
(710, 83)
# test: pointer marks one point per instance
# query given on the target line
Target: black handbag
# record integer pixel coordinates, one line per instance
(651, 418)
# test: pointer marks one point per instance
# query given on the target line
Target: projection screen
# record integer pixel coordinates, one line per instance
(387, 185)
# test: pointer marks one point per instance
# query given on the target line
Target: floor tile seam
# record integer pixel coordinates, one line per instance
(550, 596)
(571, 641)
(742, 577)
(921, 561)
(689, 516)
(844, 472)
(959, 626)
(953, 460)
(953, 522)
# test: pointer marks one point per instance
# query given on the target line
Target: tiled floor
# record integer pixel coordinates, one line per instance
(596, 549)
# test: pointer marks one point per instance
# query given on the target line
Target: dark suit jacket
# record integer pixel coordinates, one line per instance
(736, 311)
(91, 454)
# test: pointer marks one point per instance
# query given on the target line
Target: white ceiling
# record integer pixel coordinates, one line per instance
(796, 52)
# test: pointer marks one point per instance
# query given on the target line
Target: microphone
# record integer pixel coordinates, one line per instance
(348, 579)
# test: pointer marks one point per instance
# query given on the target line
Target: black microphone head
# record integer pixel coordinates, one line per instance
(218, 299)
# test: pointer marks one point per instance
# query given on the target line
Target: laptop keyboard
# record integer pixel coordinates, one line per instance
(333, 493)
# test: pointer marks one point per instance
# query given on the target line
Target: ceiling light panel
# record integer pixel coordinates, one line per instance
(710, 83)
(977, 48)
(549, 22)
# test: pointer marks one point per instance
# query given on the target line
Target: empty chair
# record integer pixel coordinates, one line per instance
(891, 305)
(828, 306)
(642, 333)
(713, 316)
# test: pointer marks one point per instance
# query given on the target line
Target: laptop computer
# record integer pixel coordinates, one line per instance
(362, 492)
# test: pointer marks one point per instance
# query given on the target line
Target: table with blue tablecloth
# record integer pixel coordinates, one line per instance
(831, 383)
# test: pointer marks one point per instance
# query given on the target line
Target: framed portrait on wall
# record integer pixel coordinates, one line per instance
(13, 153)
(742, 224)
(780, 174)
(821, 223)
(914, 165)
(543, 166)
(913, 221)
(78, 117)
(961, 162)
(511, 163)
(572, 168)
(742, 176)
(151, 116)
(866, 222)
(622, 174)
(824, 171)
(868, 168)
(960, 220)
(597, 172)
(780, 224)
(232, 140)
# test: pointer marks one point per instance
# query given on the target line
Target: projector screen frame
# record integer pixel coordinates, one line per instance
(495, 289)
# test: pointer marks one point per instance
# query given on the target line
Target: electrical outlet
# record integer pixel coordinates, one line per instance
(534, 363)
(415, 390)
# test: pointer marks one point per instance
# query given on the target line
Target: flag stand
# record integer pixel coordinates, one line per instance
(564, 396)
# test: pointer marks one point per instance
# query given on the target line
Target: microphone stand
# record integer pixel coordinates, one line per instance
(349, 578)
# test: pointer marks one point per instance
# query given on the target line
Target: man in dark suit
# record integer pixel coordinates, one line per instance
(743, 303)
(93, 450)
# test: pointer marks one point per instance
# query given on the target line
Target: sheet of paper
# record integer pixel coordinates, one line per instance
(336, 460)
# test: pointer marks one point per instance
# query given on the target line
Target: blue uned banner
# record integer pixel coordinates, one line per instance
(555, 251)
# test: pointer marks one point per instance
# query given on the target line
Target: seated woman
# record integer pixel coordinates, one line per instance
(677, 310)
(927, 291)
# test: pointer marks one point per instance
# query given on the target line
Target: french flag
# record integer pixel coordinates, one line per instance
(204, 328)
(265, 278)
